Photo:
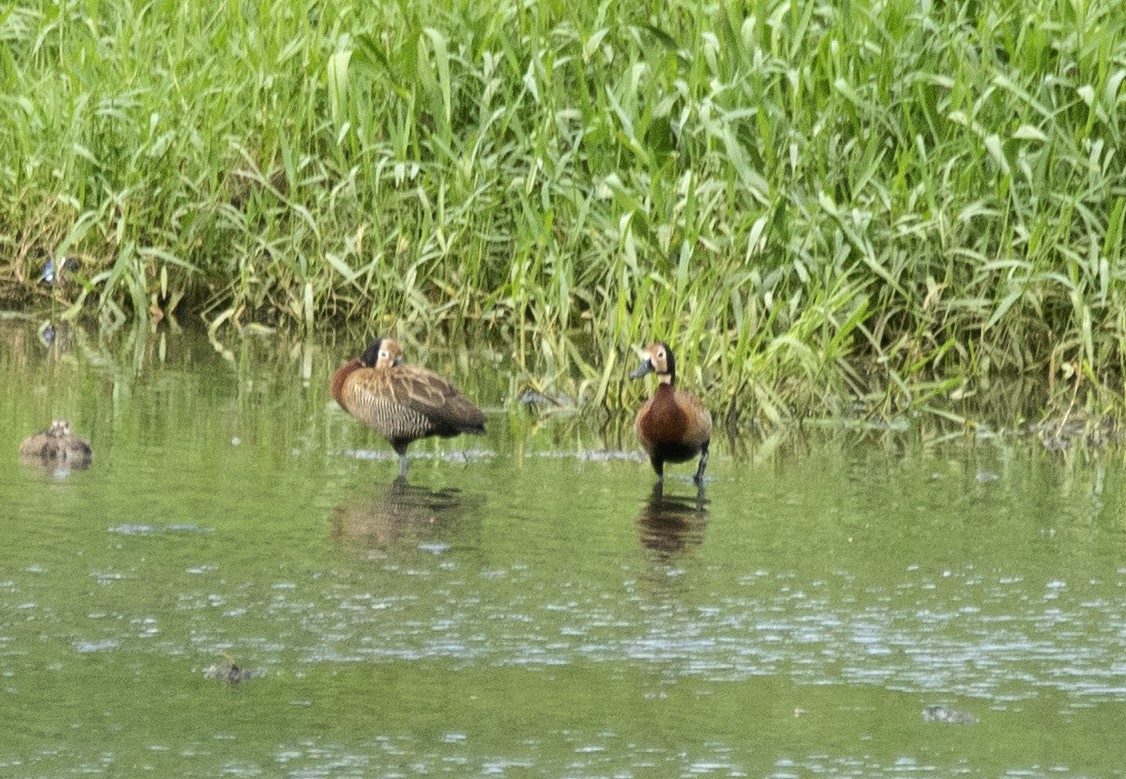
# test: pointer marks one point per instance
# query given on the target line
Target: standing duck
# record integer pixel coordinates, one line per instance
(57, 445)
(403, 403)
(673, 425)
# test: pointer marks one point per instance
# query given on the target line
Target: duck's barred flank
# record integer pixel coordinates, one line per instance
(390, 418)
(673, 426)
(403, 403)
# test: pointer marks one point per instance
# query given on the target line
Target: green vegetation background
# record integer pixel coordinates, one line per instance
(892, 201)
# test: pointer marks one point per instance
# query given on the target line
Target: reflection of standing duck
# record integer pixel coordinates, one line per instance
(673, 425)
(668, 525)
(403, 403)
(402, 513)
(57, 444)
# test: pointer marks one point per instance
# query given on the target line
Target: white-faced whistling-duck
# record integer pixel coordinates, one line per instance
(403, 403)
(673, 425)
(57, 444)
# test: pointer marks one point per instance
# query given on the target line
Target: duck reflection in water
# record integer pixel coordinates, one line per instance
(402, 514)
(668, 525)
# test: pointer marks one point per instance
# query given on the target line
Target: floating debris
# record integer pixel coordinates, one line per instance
(144, 529)
(1056, 443)
(1076, 429)
(938, 712)
(104, 645)
(593, 455)
(228, 673)
(533, 397)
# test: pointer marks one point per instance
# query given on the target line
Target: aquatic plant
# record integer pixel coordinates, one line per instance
(815, 202)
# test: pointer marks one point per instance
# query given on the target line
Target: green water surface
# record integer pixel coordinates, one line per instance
(524, 605)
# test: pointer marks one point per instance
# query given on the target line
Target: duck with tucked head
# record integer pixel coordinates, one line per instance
(673, 425)
(403, 403)
(57, 445)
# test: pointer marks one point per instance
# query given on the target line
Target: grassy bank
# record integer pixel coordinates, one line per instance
(814, 201)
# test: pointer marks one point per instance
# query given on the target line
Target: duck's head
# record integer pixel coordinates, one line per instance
(383, 353)
(60, 428)
(657, 358)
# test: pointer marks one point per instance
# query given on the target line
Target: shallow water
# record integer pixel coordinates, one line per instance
(524, 606)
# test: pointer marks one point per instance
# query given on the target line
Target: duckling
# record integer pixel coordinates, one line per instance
(673, 425)
(403, 403)
(57, 444)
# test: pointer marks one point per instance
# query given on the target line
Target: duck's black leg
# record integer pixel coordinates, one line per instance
(699, 478)
(401, 450)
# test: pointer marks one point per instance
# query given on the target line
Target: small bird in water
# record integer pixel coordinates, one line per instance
(673, 425)
(403, 403)
(229, 672)
(57, 444)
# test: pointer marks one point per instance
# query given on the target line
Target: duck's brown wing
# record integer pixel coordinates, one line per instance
(405, 403)
(428, 394)
(699, 430)
(35, 445)
(640, 424)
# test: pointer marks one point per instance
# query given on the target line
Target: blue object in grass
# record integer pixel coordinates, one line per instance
(53, 275)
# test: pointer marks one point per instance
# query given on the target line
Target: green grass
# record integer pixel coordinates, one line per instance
(816, 203)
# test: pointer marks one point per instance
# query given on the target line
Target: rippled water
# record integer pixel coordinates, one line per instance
(524, 605)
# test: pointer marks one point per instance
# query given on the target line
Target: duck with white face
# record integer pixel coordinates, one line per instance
(673, 425)
(403, 403)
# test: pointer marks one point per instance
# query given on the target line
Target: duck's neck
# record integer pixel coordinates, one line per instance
(338, 381)
(666, 379)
